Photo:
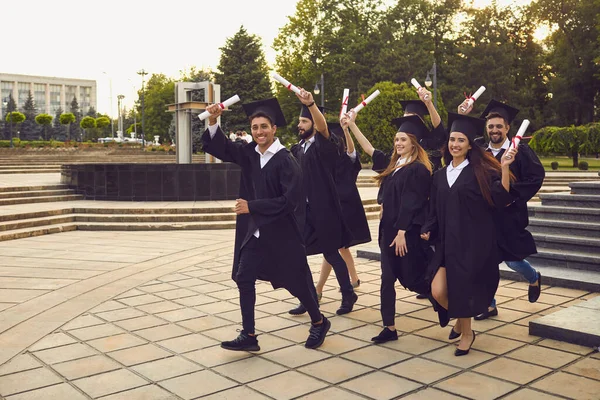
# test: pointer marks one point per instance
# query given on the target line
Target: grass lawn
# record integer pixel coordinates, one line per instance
(566, 164)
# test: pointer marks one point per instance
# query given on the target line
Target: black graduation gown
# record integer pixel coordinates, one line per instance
(380, 163)
(273, 193)
(405, 200)
(433, 143)
(318, 168)
(463, 223)
(353, 211)
(515, 242)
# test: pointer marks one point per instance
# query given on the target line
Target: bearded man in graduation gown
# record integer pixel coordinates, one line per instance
(515, 242)
(321, 215)
(268, 242)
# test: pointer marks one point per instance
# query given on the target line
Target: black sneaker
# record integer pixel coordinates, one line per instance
(298, 310)
(385, 336)
(243, 342)
(348, 301)
(317, 333)
(534, 291)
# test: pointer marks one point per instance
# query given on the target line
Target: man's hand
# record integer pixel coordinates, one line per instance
(241, 207)
(424, 92)
(509, 156)
(464, 105)
(305, 97)
(425, 236)
(215, 112)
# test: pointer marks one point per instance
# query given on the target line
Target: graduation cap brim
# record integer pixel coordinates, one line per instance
(269, 107)
(415, 107)
(507, 112)
(470, 126)
(305, 112)
(335, 129)
(411, 124)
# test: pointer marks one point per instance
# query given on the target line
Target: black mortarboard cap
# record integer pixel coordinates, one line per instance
(411, 124)
(336, 129)
(305, 112)
(472, 127)
(269, 107)
(507, 112)
(415, 107)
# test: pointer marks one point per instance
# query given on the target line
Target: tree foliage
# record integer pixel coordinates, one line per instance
(45, 120)
(67, 119)
(159, 91)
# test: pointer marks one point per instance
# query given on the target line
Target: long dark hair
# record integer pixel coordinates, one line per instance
(484, 165)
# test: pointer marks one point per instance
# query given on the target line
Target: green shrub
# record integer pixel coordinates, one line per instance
(554, 165)
(583, 165)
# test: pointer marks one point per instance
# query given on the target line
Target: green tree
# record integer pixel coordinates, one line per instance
(13, 118)
(45, 120)
(570, 140)
(243, 71)
(11, 106)
(159, 92)
(74, 128)
(58, 130)
(87, 123)
(67, 119)
(29, 129)
(92, 112)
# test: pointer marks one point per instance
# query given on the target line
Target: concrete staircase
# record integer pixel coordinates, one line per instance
(36, 194)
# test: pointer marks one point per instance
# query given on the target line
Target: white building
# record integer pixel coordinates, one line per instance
(49, 93)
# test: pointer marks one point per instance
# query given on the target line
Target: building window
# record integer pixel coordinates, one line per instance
(70, 92)
(24, 89)
(39, 97)
(54, 98)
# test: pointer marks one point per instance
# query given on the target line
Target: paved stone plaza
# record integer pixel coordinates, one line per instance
(139, 315)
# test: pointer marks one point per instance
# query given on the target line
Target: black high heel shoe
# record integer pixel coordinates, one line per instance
(441, 311)
(453, 334)
(458, 352)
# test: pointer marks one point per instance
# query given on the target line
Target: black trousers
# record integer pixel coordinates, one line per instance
(388, 294)
(251, 257)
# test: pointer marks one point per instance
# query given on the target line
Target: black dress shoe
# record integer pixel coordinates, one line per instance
(453, 334)
(486, 314)
(348, 301)
(385, 336)
(421, 296)
(459, 352)
(298, 310)
(534, 291)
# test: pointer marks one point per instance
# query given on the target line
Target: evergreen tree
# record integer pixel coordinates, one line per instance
(58, 130)
(243, 71)
(75, 129)
(92, 113)
(29, 129)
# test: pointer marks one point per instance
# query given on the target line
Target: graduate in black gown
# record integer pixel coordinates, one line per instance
(516, 243)
(268, 243)
(346, 172)
(464, 197)
(405, 182)
(321, 218)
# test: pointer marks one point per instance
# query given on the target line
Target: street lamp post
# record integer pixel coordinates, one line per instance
(5, 102)
(428, 82)
(120, 116)
(321, 90)
(143, 74)
(112, 123)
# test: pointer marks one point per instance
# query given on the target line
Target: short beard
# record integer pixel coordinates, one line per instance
(497, 141)
(306, 134)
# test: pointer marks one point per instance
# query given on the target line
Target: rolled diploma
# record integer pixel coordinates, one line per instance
(345, 97)
(418, 86)
(520, 133)
(285, 83)
(472, 99)
(223, 105)
(366, 101)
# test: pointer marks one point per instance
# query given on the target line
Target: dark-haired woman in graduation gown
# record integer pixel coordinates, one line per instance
(405, 181)
(464, 195)
(346, 172)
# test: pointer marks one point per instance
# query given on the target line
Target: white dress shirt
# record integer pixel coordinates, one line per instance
(308, 142)
(452, 173)
(400, 163)
(505, 146)
(352, 155)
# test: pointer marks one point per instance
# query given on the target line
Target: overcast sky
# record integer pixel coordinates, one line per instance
(111, 40)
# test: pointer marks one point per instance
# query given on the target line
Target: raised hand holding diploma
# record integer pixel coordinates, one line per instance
(517, 139)
(424, 95)
(418, 86)
(509, 156)
(365, 102)
(214, 111)
(345, 98)
(285, 83)
(223, 105)
(305, 97)
(471, 99)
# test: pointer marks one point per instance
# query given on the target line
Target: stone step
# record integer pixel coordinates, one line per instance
(42, 199)
(36, 231)
(565, 259)
(35, 214)
(28, 166)
(564, 228)
(153, 218)
(585, 188)
(577, 244)
(155, 226)
(563, 213)
(35, 193)
(34, 188)
(578, 324)
(588, 280)
(27, 223)
(570, 200)
(30, 171)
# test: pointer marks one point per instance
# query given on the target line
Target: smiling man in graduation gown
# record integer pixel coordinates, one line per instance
(515, 242)
(268, 242)
(321, 216)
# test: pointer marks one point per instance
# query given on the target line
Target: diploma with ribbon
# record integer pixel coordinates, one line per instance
(418, 86)
(366, 101)
(472, 99)
(223, 105)
(285, 83)
(345, 98)
(517, 139)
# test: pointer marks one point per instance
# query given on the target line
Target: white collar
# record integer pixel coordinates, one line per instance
(459, 167)
(273, 148)
(402, 161)
(505, 146)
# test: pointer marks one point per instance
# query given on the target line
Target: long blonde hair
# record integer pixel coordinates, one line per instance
(418, 154)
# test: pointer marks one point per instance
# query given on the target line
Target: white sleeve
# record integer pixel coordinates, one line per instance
(212, 130)
(352, 155)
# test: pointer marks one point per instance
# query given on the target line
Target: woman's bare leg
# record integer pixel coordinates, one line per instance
(325, 271)
(347, 256)
(439, 287)
(467, 333)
